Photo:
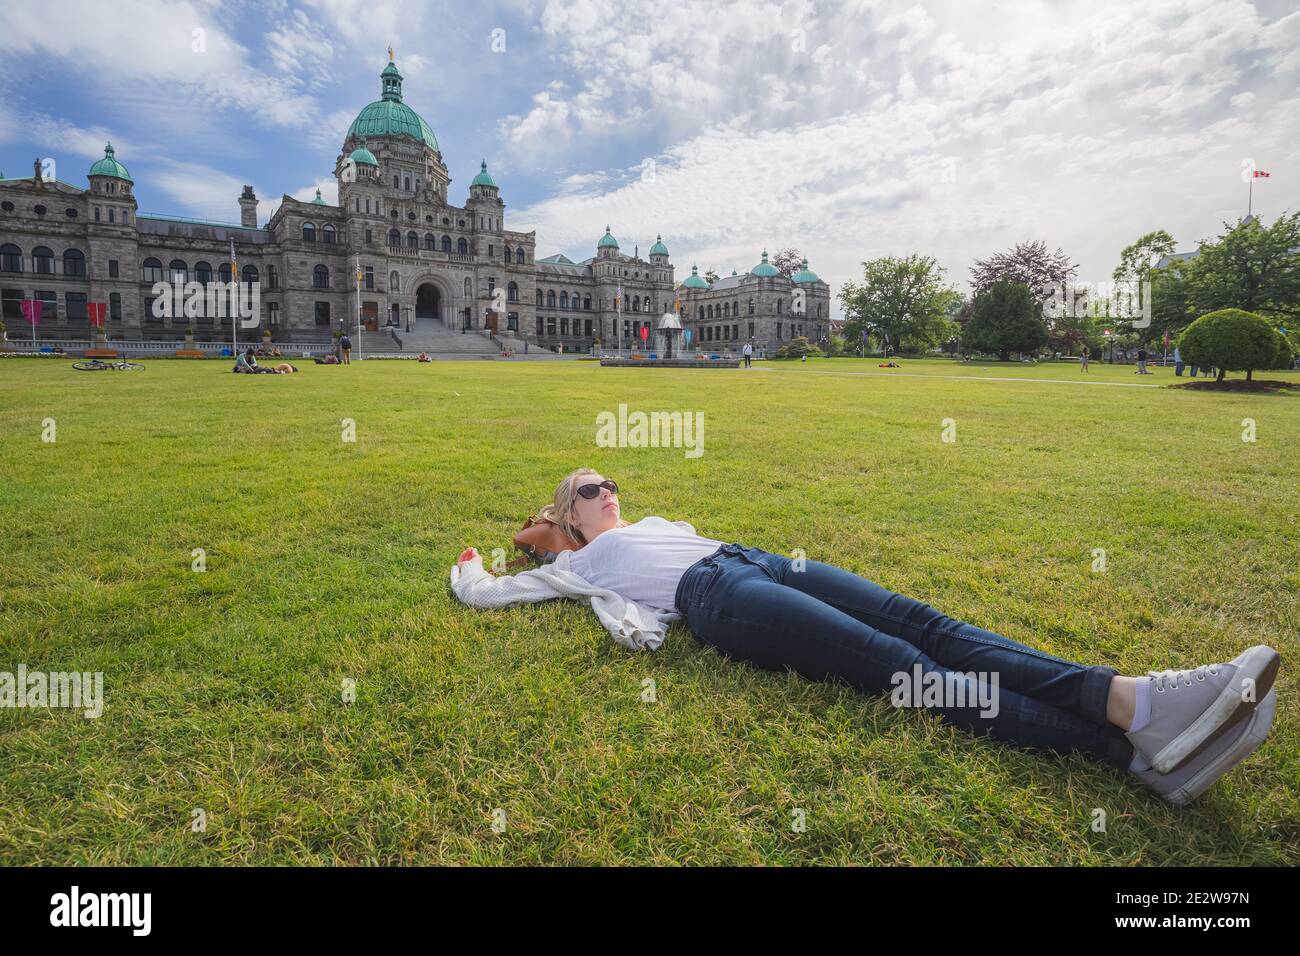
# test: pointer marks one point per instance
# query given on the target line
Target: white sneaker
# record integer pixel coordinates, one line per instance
(1197, 775)
(1191, 709)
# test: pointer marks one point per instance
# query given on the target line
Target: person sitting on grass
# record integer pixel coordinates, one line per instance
(1176, 731)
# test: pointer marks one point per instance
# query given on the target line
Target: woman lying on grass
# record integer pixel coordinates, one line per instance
(1177, 730)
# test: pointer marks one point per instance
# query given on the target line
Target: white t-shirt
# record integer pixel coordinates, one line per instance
(643, 562)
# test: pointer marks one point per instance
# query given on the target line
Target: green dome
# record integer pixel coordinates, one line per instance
(805, 274)
(607, 241)
(765, 268)
(483, 178)
(318, 201)
(389, 116)
(362, 156)
(694, 280)
(109, 166)
(659, 249)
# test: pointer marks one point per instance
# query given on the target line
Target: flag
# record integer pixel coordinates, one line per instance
(618, 296)
(1166, 340)
(32, 310)
(234, 264)
(95, 311)
(1260, 174)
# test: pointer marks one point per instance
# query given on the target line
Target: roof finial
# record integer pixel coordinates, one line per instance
(390, 53)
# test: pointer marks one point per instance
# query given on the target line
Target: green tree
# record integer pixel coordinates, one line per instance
(1252, 267)
(797, 347)
(1230, 340)
(905, 298)
(710, 277)
(1137, 260)
(1006, 318)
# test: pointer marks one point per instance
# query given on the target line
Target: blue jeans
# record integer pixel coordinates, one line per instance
(826, 623)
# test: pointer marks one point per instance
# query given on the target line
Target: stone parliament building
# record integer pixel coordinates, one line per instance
(426, 264)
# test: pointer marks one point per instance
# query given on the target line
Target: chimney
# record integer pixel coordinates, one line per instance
(248, 208)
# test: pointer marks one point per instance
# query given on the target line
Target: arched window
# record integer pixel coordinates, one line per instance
(636, 303)
(394, 284)
(646, 302)
(412, 240)
(586, 302)
(43, 262)
(430, 242)
(397, 182)
(701, 314)
(469, 289)
(250, 274)
(223, 273)
(735, 307)
(329, 234)
(11, 258)
(150, 269)
(751, 306)
(446, 243)
(564, 300)
(202, 272)
(177, 272)
(726, 310)
(320, 278)
(394, 237)
(550, 298)
(508, 256)
(512, 292)
(462, 246)
(308, 232)
(708, 312)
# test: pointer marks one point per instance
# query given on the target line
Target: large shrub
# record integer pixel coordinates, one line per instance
(1230, 340)
(798, 347)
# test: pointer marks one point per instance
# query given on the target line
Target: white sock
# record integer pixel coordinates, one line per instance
(1142, 704)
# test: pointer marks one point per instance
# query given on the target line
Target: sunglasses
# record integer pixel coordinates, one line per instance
(592, 490)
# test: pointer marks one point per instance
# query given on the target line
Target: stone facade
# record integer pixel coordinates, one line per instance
(421, 259)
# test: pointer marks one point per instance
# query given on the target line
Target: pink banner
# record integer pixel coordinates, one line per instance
(32, 310)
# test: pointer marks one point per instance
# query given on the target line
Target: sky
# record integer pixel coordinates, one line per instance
(848, 130)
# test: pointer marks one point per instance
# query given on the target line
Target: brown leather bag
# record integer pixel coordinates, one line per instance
(540, 541)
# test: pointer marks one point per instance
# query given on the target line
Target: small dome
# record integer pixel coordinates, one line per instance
(483, 178)
(805, 274)
(109, 166)
(659, 249)
(765, 268)
(318, 201)
(363, 156)
(695, 280)
(607, 241)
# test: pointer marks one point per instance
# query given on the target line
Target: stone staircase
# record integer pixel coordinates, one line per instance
(434, 338)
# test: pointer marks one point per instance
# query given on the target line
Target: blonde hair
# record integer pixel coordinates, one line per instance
(562, 510)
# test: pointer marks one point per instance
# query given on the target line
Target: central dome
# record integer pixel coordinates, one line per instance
(389, 116)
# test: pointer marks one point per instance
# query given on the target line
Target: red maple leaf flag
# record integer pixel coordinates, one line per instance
(1260, 174)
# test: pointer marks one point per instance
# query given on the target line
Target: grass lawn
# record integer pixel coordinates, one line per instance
(328, 561)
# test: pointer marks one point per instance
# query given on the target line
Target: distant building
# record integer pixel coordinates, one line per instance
(422, 258)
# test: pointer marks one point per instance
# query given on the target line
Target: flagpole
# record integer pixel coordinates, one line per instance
(1250, 195)
(357, 274)
(234, 304)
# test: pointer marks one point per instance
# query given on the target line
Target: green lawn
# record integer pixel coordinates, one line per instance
(329, 561)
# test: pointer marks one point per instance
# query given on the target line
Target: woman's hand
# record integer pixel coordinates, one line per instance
(469, 555)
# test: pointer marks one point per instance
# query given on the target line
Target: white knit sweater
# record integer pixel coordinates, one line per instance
(632, 625)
